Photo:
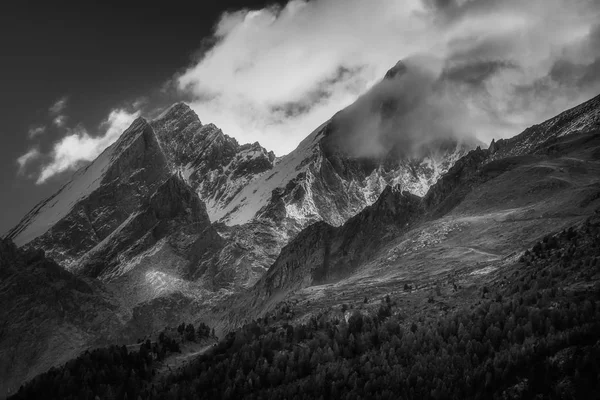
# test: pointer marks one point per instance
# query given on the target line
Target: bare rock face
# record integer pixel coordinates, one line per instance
(213, 164)
(173, 211)
(322, 253)
(99, 198)
(460, 172)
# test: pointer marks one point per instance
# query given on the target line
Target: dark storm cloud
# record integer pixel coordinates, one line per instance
(579, 65)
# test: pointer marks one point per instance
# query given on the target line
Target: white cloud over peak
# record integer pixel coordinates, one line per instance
(79, 146)
(277, 73)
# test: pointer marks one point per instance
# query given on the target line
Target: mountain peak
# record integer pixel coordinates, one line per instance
(180, 106)
(98, 197)
(398, 69)
(178, 111)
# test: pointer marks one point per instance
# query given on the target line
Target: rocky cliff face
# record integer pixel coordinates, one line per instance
(98, 199)
(443, 195)
(173, 213)
(318, 183)
(322, 253)
(214, 164)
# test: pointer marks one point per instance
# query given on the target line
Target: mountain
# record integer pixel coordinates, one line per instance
(97, 200)
(486, 207)
(175, 218)
(493, 274)
(260, 202)
(105, 224)
(214, 164)
(178, 222)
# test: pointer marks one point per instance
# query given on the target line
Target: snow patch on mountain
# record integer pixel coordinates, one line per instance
(256, 194)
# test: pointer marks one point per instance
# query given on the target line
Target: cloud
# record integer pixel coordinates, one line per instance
(60, 121)
(56, 112)
(403, 115)
(58, 106)
(79, 146)
(277, 73)
(36, 131)
(32, 155)
(140, 103)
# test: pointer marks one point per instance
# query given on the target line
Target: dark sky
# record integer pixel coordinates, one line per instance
(99, 56)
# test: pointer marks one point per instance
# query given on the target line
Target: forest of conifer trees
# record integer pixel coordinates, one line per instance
(534, 333)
